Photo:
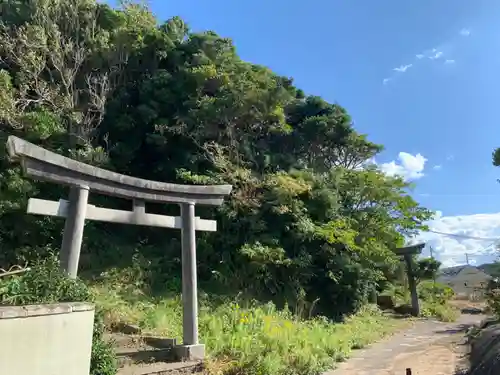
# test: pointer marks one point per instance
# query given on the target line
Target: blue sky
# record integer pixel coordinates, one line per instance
(419, 76)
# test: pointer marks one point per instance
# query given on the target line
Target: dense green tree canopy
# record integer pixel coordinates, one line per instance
(307, 221)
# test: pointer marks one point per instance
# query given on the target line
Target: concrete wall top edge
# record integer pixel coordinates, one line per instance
(19, 149)
(10, 312)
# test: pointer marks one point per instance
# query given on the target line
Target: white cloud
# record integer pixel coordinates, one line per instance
(437, 167)
(432, 54)
(403, 68)
(465, 32)
(450, 157)
(452, 250)
(408, 166)
(436, 55)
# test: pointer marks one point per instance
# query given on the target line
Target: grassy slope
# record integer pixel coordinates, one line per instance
(254, 339)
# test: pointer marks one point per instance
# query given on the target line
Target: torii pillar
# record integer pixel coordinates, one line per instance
(44, 165)
(407, 252)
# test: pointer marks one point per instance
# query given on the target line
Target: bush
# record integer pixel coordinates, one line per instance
(441, 311)
(45, 284)
(435, 292)
(435, 298)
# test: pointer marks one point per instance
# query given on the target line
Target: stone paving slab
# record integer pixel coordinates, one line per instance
(379, 358)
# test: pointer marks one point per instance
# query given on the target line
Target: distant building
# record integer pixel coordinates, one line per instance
(464, 280)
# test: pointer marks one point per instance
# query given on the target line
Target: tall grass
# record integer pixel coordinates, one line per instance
(444, 312)
(251, 339)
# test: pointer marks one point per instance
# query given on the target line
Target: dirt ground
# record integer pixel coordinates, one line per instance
(447, 356)
(427, 348)
(442, 358)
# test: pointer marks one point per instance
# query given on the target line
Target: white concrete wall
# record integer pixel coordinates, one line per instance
(46, 339)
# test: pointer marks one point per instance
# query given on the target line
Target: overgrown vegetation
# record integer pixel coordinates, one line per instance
(310, 225)
(305, 223)
(493, 296)
(244, 337)
(492, 269)
(434, 297)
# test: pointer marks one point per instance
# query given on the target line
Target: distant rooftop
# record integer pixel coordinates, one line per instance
(451, 271)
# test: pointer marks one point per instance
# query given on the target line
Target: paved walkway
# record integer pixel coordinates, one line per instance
(427, 348)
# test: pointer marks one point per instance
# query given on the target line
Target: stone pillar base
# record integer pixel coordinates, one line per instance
(190, 352)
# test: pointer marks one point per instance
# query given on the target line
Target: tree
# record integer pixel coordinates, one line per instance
(308, 223)
(496, 157)
(59, 63)
(50, 55)
(426, 269)
(321, 137)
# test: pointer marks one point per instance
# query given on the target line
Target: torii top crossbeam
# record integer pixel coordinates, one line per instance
(45, 165)
(410, 249)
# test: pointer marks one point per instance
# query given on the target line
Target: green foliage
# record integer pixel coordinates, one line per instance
(492, 269)
(443, 312)
(426, 269)
(496, 157)
(493, 298)
(308, 224)
(103, 358)
(434, 299)
(435, 292)
(44, 283)
(493, 294)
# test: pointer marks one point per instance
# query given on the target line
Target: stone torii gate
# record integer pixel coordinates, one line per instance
(407, 252)
(41, 164)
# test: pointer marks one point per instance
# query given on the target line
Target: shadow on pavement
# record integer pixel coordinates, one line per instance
(471, 311)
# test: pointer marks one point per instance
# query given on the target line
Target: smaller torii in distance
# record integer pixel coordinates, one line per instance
(41, 164)
(407, 253)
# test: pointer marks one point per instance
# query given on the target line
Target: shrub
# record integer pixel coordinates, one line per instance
(45, 284)
(443, 312)
(435, 292)
(435, 298)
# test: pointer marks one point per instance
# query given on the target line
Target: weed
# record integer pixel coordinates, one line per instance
(441, 311)
(251, 338)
